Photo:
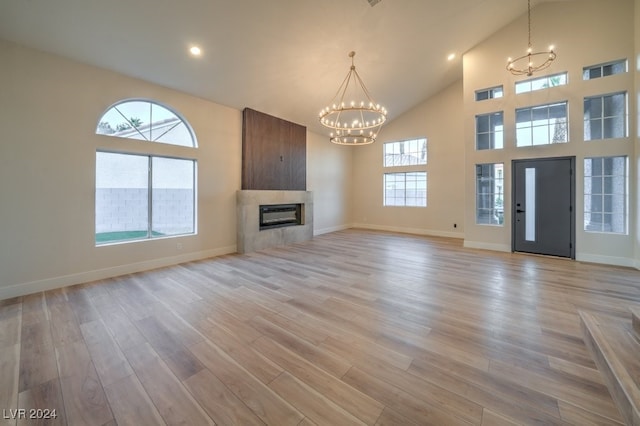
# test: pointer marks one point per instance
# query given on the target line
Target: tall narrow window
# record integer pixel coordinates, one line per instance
(605, 117)
(489, 131)
(605, 194)
(542, 125)
(490, 194)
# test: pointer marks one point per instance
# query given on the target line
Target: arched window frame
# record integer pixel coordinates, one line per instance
(133, 131)
(144, 202)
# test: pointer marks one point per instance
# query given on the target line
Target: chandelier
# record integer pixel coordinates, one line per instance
(354, 117)
(526, 64)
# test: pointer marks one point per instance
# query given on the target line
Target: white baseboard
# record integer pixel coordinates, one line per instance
(331, 229)
(487, 246)
(100, 274)
(415, 231)
(607, 260)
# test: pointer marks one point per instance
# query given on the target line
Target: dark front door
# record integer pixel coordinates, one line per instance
(542, 211)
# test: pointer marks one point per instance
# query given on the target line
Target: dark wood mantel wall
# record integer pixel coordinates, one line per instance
(274, 153)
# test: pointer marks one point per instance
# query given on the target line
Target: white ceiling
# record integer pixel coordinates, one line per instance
(282, 57)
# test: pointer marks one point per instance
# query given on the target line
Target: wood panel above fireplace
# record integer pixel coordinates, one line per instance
(274, 153)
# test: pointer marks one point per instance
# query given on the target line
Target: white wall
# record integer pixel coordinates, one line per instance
(584, 33)
(329, 169)
(439, 120)
(49, 107)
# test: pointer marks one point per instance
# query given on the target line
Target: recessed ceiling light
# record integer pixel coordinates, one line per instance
(451, 57)
(195, 51)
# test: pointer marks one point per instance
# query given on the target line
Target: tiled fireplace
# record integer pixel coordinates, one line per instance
(284, 210)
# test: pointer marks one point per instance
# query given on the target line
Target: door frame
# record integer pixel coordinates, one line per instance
(572, 159)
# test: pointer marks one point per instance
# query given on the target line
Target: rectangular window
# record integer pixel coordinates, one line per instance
(541, 83)
(605, 194)
(542, 125)
(604, 70)
(490, 194)
(141, 197)
(405, 153)
(494, 92)
(489, 131)
(405, 189)
(605, 117)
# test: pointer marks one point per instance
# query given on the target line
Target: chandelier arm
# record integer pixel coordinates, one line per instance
(363, 87)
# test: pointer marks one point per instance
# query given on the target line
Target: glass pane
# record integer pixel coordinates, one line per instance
(614, 127)
(588, 165)
(497, 92)
(619, 67)
(530, 204)
(593, 107)
(523, 137)
(596, 203)
(539, 83)
(173, 196)
(593, 130)
(595, 72)
(483, 95)
(482, 124)
(607, 166)
(121, 197)
(558, 111)
(523, 117)
(483, 141)
(134, 120)
(614, 105)
(496, 120)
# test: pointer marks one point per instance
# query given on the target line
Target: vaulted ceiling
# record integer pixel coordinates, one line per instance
(282, 57)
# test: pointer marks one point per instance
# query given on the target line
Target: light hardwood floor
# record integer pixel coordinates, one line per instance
(353, 327)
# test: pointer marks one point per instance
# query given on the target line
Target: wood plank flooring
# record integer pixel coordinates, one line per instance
(353, 327)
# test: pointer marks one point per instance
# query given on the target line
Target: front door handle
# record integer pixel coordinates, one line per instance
(519, 211)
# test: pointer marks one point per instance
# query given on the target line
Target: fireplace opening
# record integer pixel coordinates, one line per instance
(279, 215)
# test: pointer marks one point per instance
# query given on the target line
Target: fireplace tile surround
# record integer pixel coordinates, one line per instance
(251, 238)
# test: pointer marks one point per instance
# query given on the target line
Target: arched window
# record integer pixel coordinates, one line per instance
(144, 195)
(147, 121)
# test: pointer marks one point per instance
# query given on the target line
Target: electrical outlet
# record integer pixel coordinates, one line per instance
(455, 225)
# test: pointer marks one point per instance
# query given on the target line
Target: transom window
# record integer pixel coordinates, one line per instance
(145, 120)
(541, 83)
(490, 194)
(605, 194)
(489, 131)
(605, 116)
(542, 125)
(405, 153)
(491, 93)
(604, 70)
(405, 189)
